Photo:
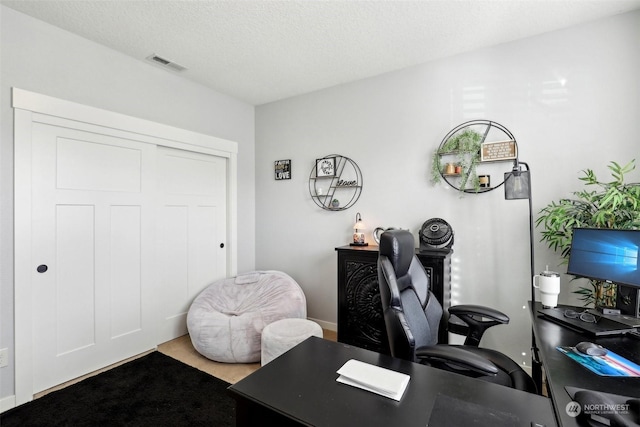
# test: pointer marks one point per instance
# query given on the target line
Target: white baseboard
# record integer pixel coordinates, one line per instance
(7, 403)
(325, 325)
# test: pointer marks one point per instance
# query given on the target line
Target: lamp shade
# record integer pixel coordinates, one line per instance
(517, 185)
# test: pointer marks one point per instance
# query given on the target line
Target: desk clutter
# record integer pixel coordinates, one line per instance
(375, 379)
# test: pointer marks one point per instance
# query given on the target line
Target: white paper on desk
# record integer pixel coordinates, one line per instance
(373, 378)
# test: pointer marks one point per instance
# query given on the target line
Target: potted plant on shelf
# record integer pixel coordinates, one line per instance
(614, 204)
(464, 149)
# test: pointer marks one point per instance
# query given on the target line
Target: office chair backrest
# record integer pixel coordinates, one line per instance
(411, 312)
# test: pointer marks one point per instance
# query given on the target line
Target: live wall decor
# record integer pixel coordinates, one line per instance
(335, 182)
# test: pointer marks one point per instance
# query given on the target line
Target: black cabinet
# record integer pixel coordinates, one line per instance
(360, 319)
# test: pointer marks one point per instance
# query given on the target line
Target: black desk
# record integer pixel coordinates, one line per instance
(300, 388)
(561, 371)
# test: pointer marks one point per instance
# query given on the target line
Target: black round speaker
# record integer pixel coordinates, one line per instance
(436, 233)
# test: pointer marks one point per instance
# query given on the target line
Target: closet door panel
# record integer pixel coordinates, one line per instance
(93, 227)
(191, 231)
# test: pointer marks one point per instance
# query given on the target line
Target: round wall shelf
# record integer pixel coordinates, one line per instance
(469, 157)
(335, 182)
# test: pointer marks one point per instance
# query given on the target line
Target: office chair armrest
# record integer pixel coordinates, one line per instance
(438, 355)
(479, 319)
(480, 311)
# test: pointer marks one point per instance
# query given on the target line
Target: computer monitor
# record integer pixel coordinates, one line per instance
(612, 256)
(609, 255)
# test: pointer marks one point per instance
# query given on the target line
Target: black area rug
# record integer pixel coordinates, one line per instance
(155, 390)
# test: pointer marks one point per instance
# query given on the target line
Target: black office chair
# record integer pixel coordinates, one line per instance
(412, 317)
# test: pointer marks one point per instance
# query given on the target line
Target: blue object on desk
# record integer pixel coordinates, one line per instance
(610, 365)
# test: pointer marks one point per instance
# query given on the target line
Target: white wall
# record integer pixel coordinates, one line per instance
(572, 100)
(42, 58)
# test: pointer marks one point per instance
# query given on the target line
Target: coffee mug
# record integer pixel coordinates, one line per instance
(549, 284)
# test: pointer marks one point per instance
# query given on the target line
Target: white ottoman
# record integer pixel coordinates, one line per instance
(282, 335)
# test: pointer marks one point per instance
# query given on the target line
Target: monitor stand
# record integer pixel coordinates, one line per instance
(627, 305)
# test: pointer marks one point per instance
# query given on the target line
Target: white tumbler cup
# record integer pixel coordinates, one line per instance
(549, 285)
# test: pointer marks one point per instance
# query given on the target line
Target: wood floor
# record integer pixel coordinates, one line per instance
(182, 350)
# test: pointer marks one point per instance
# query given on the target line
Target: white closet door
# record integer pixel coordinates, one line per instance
(191, 231)
(128, 233)
(93, 228)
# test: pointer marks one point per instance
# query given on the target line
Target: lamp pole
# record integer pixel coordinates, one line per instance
(515, 183)
(536, 365)
(532, 265)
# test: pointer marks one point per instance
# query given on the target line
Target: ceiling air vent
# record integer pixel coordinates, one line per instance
(165, 62)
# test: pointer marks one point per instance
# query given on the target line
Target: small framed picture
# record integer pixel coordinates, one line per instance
(282, 169)
(326, 167)
(498, 150)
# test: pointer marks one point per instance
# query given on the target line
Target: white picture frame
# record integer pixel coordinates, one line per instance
(326, 167)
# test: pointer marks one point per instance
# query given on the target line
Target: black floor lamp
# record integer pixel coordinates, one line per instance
(517, 185)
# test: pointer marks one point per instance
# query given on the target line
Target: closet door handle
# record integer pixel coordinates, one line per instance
(42, 268)
(221, 245)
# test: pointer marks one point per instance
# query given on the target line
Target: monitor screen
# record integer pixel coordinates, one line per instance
(605, 254)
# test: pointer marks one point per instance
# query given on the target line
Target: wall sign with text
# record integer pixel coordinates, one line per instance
(282, 169)
(498, 150)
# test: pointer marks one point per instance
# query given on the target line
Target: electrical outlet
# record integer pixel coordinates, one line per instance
(4, 357)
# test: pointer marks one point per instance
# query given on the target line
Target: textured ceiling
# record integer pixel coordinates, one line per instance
(262, 51)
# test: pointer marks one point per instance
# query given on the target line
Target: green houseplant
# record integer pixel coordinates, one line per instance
(612, 204)
(465, 148)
